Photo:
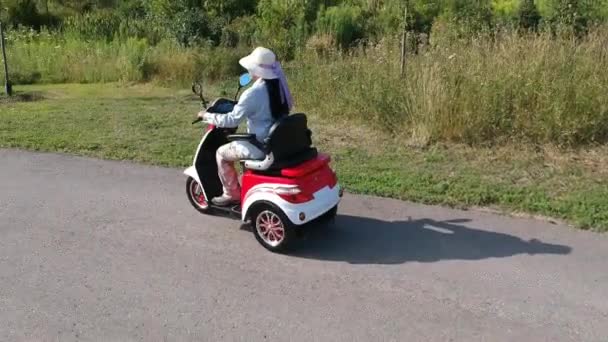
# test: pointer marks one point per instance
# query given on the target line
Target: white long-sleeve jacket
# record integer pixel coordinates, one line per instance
(253, 105)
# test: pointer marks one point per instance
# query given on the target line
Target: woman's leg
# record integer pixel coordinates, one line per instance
(226, 156)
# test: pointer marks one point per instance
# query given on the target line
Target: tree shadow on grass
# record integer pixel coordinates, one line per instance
(361, 240)
(21, 97)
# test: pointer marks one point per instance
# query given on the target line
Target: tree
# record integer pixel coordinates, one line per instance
(344, 22)
(474, 14)
(79, 6)
(281, 26)
(24, 12)
(528, 15)
(230, 9)
(574, 15)
(184, 20)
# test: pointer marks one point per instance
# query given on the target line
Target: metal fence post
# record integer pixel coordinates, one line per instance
(7, 85)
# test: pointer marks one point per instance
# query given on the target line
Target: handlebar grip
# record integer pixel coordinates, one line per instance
(197, 120)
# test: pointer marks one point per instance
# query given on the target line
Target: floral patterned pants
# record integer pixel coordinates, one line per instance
(226, 156)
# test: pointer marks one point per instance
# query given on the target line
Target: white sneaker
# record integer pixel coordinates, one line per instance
(224, 200)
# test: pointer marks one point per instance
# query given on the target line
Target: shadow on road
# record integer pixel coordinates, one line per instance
(361, 240)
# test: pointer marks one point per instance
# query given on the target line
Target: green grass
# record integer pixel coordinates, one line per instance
(150, 124)
(483, 89)
(50, 57)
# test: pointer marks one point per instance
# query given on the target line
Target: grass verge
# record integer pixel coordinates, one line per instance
(149, 124)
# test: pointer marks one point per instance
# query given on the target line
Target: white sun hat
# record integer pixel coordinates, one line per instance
(263, 63)
(260, 63)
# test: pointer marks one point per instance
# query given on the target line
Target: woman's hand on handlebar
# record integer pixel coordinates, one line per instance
(205, 116)
(201, 116)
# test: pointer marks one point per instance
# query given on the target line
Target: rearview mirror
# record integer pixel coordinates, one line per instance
(245, 79)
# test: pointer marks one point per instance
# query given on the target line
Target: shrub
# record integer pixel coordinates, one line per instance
(25, 13)
(344, 22)
(528, 15)
(323, 45)
(240, 31)
(93, 25)
(281, 26)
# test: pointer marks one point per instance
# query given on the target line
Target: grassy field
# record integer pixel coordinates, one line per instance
(483, 90)
(149, 124)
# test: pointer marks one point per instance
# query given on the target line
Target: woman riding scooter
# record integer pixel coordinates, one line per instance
(267, 100)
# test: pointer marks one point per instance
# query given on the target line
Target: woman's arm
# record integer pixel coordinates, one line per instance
(247, 105)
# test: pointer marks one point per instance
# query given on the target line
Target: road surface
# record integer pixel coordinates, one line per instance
(108, 251)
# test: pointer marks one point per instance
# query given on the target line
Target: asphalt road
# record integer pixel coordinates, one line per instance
(106, 251)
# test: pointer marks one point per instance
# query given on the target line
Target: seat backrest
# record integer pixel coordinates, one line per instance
(289, 136)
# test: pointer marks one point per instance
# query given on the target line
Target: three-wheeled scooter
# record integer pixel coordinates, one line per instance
(292, 186)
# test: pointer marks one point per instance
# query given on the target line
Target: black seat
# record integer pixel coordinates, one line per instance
(289, 142)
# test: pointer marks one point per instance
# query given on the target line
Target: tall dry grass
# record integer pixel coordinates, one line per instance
(535, 88)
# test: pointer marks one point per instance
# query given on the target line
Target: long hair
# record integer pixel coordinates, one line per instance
(278, 107)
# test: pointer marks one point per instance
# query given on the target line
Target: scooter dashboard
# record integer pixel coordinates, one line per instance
(221, 106)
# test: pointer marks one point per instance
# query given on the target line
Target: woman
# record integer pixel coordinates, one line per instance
(262, 104)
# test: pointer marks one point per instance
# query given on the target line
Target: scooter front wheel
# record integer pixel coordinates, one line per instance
(196, 196)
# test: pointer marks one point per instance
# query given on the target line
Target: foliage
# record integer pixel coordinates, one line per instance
(344, 22)
(281, 26)
(473, 15)
(529, 16)
(231, 9)
(26, 13)
(94, 25)
(287, 25)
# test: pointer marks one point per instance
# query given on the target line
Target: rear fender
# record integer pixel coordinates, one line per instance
(256, 196)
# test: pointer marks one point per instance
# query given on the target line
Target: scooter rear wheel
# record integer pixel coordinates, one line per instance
(196, 196)
(272, 228)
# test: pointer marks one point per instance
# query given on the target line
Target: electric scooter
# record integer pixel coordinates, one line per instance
(291, 187)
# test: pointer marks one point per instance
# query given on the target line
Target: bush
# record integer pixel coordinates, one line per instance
(281, 26)
(529, 16)
(31, 77)
(240, 31)
(221, 63)
(93, 25)
(472, 16)
(574, 16)
(424, 14)
(323, 45)
(190, 27)
(25, 13)
(344, 22)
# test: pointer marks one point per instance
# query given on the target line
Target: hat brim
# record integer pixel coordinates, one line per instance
(248, 63)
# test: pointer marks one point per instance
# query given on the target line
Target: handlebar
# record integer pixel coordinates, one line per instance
(220, 106)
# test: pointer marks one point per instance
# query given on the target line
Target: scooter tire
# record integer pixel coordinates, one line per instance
(190, 184)
(269, 211)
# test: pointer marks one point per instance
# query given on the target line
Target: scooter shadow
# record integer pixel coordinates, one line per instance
(361, 240)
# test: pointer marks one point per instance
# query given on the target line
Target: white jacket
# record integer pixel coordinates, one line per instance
(254, 105)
